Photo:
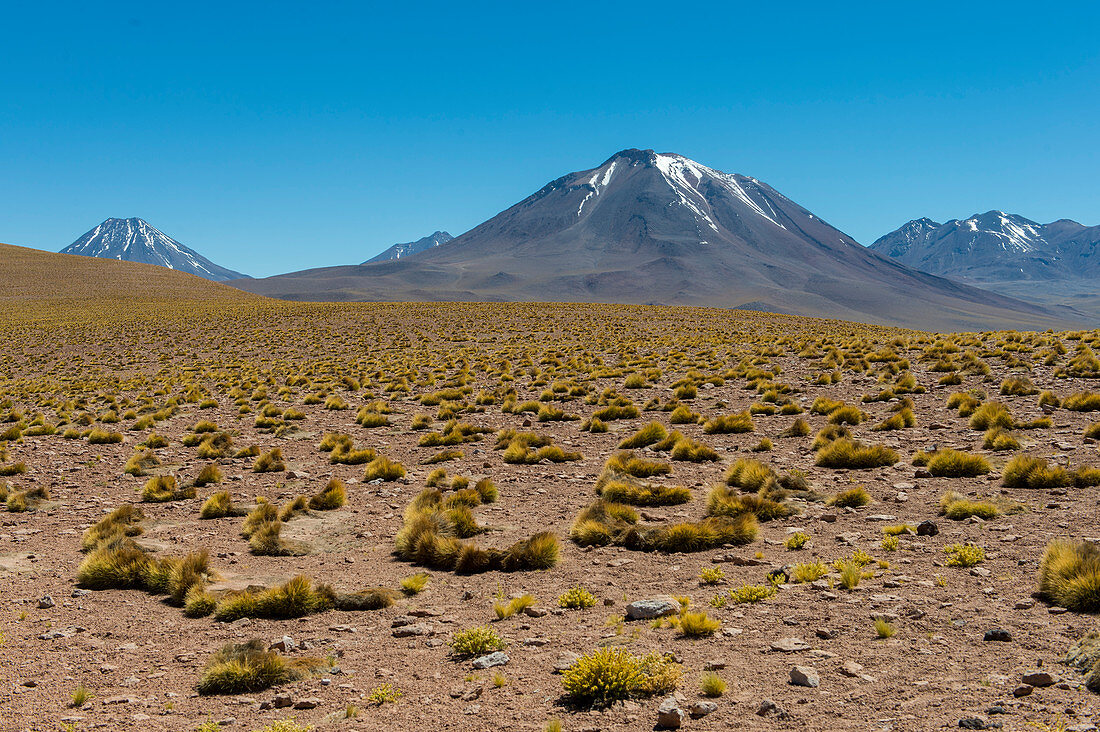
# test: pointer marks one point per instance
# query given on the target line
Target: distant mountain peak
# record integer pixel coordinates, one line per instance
(996, 246)
(402, 251)
(136, 240)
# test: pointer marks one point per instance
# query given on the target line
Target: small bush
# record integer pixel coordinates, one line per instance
(957, 508)
(989, 415)
(476, 641)
(964, 555)
(750, 593)
(884, 629)
(103, 437)
(808, 572)
(1082, 402)
(689, 450)
(998, 439)
(140, 463)
(607, 675)
(576, 598)
(164, 488)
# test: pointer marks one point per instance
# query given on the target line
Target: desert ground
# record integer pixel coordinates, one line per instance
(815, 604)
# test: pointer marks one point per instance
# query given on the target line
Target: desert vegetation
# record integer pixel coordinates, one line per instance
(402, 491)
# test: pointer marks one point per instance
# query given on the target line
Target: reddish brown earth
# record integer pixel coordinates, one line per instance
(141, 658)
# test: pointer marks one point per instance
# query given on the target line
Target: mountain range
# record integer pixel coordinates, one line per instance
(397, 251)
(647, 227)
(1055, 263)
(135, 240)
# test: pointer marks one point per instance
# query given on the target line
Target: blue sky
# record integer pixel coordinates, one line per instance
(280, 136)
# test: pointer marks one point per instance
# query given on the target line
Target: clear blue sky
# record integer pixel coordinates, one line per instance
(280, 136)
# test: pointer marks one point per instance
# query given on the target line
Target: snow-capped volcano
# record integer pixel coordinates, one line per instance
(135, 240)
(997, 247)
(647, 227)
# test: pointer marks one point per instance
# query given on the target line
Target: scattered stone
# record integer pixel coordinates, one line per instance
(700, 709)
(283, 645)
(851, 669)
(790, 645)
(977, 723)
(1038, 678)
(927, 528)
(309, 702)
(998, 634)
(497, 658)
(415, 629)
(805, 676)
(565, 661)
(1023, 690)
(282, 701)
(770, 707)
(46, 602)
(655, 607)
(922, 473)
(669, 714)
(825, 633)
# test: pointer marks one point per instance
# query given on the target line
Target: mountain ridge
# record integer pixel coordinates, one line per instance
(647, 227)
(407, 249)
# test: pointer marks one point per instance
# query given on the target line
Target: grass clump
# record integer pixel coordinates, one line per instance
(384, 694)
(999, 440)
(576, 598)
(1085, 401)
(209, 474)
(712, 685)
(270, 462)
(296, 598)
(991, 414)
(884, 629)
(414, 584)
(850, 498)
(504, 610)
(618, 490)
(845, 452)
(949, 463)
(607, 675)
(1069, 575)
(651, 434)
(729, 424)
(103, 437)
(625, 463)
(331, 497)
(124, 521)
(1026, 471)
(220, 505)
(140, 463)
(711, 575)
(796, 541)
(698, 624)
(692, 451)
(958, 508)
(163, 488)
(804, 572)
(384, 469)
(240, 668)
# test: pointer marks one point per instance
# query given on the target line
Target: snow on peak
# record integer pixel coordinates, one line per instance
(686, 177)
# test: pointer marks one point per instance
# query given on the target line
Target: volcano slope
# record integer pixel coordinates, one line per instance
(414, 407)
(659, 228)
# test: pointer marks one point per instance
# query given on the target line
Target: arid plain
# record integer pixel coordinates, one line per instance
(836, 526)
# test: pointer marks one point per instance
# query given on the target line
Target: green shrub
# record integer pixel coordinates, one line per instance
(607, 675)
(576, 598)
(964, 555)
(476, 641)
